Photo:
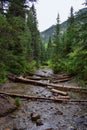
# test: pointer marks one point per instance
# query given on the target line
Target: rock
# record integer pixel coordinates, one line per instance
(72, 128)
(39, 122)
(35, 116)
(7, 105)
(58, 112)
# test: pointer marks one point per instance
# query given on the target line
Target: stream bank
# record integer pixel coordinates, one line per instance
(53, 116)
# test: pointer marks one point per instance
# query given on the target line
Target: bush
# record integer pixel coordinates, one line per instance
(31, 66)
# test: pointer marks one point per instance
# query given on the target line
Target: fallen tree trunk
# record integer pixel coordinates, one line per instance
(57, 86)
(37, 78)
(31, 74)
(33, 97)
(40, 98)
(62, 97)
(59, 92)
(63, 80)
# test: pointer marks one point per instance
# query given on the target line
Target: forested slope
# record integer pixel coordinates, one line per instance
(50, 31)
(67, 51)
(20, 42)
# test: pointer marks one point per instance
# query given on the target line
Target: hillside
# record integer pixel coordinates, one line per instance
(50, 31)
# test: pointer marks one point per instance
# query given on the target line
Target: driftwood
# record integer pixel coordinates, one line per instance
(57, 86)
(31, 74)
(59, 92)
(40, 98)
(62, 97)
(33, 97)
(53, 80)
(61, 75)
(37, 78)
(61, 80)
(54, 76)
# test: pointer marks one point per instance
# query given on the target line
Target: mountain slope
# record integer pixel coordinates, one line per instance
(50, 31)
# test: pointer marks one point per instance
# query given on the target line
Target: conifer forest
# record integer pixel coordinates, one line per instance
(43, 75)
(22, 49)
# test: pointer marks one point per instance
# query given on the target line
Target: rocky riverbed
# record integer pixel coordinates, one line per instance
(42, 114)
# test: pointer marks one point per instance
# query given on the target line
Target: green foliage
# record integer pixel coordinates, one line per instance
(2, 72)
(20, 43)
(31, 66)
(70, 48)
(35, 35)
(17, 101)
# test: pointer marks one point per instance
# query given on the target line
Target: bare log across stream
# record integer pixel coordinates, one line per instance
(57, 86)
(33, 97)
(59, 92)
(62, 80)
(43, 76)
(54, 76)
(41, 98)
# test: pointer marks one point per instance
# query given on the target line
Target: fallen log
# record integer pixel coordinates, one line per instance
(33, 97)
(60, 100)
(32, 74)
(59, 92)
(62, 97)
(37, 78)
(61, 75)
(57, 86)
(62, 80)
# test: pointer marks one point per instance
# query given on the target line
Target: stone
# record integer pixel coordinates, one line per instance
(72, 128)
(39, 122)
(35, 117)
(58, 112)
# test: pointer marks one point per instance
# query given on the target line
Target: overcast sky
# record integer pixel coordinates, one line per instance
(47, 11)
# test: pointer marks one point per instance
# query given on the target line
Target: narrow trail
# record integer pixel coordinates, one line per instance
(53, 116)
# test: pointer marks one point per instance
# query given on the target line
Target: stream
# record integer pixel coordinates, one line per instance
(52, 115)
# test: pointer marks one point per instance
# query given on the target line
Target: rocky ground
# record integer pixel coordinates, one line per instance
(40, 114)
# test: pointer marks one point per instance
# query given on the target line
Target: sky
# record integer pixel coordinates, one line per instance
(47, 11)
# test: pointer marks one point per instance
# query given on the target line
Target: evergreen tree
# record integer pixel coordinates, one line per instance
(56, 48)
(49, 49)
(35, 35)
(70, 32)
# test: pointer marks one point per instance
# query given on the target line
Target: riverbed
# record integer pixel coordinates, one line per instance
(53, 115)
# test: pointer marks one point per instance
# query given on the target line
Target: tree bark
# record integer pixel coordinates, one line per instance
(41, 98)
(33, 97)
(59, 92)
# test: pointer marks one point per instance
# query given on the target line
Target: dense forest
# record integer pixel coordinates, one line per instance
(22, 49)
(20, 42)
(68, 49)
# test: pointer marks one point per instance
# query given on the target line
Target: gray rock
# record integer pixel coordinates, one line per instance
(72, 128)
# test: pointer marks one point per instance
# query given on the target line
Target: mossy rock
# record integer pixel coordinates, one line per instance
(35, 117)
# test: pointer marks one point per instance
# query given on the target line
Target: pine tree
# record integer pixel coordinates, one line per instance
(49, 49)
(35, 35)
(56, 46)
(70, 32)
